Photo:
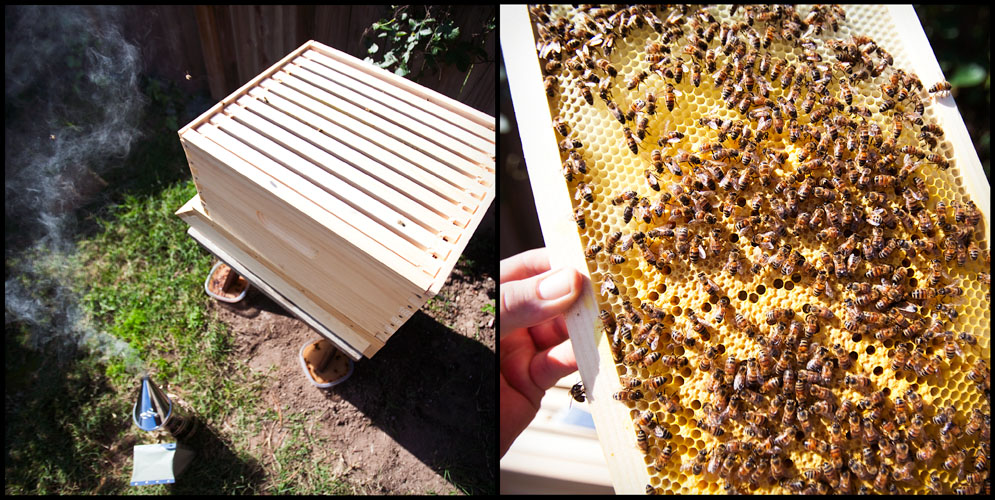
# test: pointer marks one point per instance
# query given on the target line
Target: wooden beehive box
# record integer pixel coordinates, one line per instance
(350, 190)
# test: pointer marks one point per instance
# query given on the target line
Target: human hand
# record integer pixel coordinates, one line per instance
(533, 353)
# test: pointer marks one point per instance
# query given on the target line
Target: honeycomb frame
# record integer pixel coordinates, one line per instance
(601, 380)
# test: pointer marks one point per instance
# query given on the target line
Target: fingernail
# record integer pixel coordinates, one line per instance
(556, 285)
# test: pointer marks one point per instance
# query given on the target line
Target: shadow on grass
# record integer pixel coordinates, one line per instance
(437, 400)
(216, 469)
(68, 431)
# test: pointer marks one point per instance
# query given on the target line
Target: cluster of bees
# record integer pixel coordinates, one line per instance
(828, 190)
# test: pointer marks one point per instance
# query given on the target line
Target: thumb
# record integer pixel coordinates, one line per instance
(531, 301)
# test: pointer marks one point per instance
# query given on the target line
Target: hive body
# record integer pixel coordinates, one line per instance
(357, 188)
(674, 287)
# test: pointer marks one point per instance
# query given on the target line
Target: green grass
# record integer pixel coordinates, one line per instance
(139, 278)
(488, 308)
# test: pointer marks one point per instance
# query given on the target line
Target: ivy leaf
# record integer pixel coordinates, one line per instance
(373, 49)
(401, 70)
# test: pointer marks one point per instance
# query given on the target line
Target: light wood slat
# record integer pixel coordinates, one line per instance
(325, 230)
(553, 206)
(363, 108)
(484, 131)
(338, 179)
(242, 141)
(967, 164)
(479, 117)
(242, 259)
(396, 155)
(365, 306)
(415, 201)
(478, 211)
(390, 96)
(342, 112)
(327, 283)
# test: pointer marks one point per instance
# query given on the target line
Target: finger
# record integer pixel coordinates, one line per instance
(524, 265)
(549, 333)
(553, 364)
(531, 301)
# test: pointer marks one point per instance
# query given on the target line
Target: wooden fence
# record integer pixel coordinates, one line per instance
(222, 47)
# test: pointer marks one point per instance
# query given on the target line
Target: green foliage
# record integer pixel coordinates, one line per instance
(425, 34)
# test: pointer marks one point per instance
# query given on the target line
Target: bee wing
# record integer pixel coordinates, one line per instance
(553, 46)
(906, 307)
(597, 40)
(678, 92)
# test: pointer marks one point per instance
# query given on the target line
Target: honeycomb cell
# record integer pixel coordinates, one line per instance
(613, 169)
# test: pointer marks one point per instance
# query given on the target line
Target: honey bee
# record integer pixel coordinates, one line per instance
(670, 96)
(647, 419)
(577, 392)
(672, 404)
(954, 461)
(938, 160)
(663, 457)
(584, 192)
(616, 112)
(940, 87)
(879, 270)
(608, 285)
(697, 464)
(779, 314)
(950, 347)
(585, 92)
(979, 373)
(579, 218)
(981, 458)
(570, 143)
(631, 382)
(975, 423)
(577, 162)
(636, 79)
(859, 382)
(628, 395)
(785, 438)
(654, 383)
(630, 141)
(605, 66)
(641, 439)
(651, 358)
(652, 181)
(821, 285)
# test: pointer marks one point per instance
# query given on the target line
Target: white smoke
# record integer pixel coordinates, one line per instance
(72, 111)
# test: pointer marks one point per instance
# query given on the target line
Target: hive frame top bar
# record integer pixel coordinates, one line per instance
(478, 117)
(912, 51)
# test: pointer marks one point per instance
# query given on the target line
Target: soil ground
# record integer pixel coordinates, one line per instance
(418, 417)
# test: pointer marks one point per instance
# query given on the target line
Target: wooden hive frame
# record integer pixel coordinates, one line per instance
(596, 366)
(353, 190)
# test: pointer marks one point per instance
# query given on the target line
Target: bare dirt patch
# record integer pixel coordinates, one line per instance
(419, 417)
